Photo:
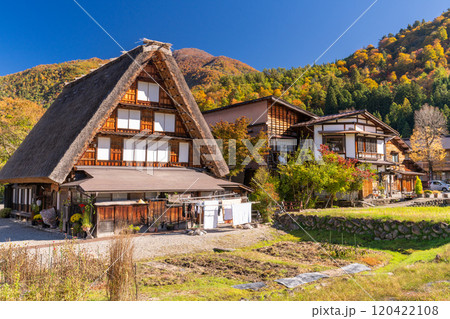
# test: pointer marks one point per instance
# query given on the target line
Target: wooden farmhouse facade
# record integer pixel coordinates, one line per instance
(271, 115)
(122, 135)
(405, 170)
(356, 134)
(441, 169)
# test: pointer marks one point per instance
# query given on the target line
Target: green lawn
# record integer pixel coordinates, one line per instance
(415, 214)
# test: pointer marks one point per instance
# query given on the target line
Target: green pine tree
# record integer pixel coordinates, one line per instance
(418, 187)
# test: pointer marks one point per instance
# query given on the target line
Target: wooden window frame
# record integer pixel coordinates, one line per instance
(98, 148)
(164, 126)
(129, 119)
(148, 84)
(342, 137)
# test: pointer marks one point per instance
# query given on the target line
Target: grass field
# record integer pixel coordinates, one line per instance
(437, 214)
(401, 269)
(409, 268)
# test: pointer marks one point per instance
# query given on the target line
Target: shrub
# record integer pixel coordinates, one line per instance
(37, 217)
(265, 193)
(67, 274)
(134, 229)
(418, 189)
(5, 213)
(428, 191)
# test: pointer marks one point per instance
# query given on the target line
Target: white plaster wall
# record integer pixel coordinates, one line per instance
(333, 127)
(344, 120)
(380, 146)
(350, 145)
(317, 141)
(371, 129)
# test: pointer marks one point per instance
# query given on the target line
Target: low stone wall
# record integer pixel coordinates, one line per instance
(378, 229)
(437, 202)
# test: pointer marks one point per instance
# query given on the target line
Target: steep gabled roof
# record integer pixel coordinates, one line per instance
(270, 98)
(53, 146)
(331, 117)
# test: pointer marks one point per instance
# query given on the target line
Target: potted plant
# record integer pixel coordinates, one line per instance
(35, 210)
(156, 225)
(37, 219)
(436, 194)
(418, 189)
(75, 220)
(170, 226)
(381, 191)
(133, 229)
(77, 230)
(428, 193)
(86, 223)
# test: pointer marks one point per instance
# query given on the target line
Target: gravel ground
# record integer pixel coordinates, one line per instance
(146, 246)
(157, 245)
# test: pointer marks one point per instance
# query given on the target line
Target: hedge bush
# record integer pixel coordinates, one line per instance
(5, 212)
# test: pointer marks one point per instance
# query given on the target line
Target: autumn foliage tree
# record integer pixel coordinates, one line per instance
(265, 193)
(236, 142)
(430, 125)
(17, 118)
(303, 180)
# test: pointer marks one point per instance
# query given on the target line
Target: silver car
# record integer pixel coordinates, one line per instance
(437, 185)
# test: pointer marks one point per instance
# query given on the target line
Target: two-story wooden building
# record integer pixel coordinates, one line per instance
(270, 114)
(355, 134)
(120, 134)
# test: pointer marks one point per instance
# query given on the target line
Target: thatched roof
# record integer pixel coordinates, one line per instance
(54, 145)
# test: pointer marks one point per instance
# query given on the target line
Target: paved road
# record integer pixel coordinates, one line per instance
(18, 232)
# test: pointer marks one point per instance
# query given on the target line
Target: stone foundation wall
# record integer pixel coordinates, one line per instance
(431, 202)
(378, 229)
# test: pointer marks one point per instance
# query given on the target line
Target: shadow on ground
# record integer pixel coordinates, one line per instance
(343, 238)
(15, 231)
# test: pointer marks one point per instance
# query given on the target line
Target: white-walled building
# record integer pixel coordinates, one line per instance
(355, 134)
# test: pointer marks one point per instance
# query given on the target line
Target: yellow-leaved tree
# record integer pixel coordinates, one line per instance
(430, 124)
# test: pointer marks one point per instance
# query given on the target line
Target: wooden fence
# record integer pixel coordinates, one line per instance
(156, 213)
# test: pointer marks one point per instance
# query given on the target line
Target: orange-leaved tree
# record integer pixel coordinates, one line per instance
(236, 143)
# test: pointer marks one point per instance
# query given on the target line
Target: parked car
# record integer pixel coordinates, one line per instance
(437, 185)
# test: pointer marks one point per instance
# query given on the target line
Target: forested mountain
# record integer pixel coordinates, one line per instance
(202, 68)
(391, 80)
(43, 83)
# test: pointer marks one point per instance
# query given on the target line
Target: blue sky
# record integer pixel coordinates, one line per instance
(263, 34)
